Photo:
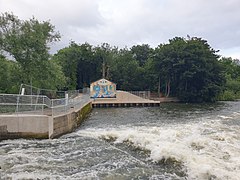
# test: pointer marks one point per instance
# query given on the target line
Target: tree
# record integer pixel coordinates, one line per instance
(27, 42)
(191, 68)
(67, 59)
(125, 71)
(87, 66)
(231, 67)
(81, 64)
(165, 59)
(52, 78)
(105, 55)
(10, 76)
(232, 75)
(141, 53)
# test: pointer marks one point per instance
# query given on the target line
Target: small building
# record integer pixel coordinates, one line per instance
(103, 89)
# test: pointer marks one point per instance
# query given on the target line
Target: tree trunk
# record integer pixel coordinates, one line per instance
(103, 70)
(168, 88)
(186, 86)
(159, 85)
(108, 73)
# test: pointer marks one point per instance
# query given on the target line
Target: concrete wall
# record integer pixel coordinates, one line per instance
(41, 126)
(25, 126)
(69, 122)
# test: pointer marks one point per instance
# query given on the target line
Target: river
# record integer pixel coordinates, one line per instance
(173, 141)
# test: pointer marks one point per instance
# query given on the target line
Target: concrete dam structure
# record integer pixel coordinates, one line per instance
(41, 126)
(63, 118)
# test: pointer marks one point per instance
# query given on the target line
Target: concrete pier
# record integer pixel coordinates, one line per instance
(124, 99)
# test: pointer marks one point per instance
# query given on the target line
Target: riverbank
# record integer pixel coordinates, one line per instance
(165, 99)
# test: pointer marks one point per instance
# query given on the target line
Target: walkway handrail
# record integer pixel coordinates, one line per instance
(142, 94)
(40, 103)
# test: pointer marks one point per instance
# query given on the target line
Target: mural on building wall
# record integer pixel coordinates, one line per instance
(103, 89)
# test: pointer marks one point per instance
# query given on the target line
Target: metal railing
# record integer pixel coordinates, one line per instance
(142, 94)
(41, 104)
(62, 106)
(12, 103)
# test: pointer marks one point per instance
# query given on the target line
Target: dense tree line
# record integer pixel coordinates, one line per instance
(187, 68)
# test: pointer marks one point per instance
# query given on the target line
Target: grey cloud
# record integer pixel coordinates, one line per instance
(129, 22)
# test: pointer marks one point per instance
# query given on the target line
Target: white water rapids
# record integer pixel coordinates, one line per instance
(135, 143)
(207, 149)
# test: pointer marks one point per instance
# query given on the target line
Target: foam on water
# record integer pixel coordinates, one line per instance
(207, 149)
(204, 143)
(80, 158)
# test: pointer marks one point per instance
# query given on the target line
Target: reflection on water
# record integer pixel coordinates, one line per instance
(174, 141)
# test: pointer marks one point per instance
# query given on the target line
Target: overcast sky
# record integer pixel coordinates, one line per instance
(130, 22)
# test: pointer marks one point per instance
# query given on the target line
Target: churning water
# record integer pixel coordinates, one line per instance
(174, 141)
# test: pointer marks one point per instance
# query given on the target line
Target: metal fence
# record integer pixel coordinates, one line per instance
(41, 104)
(61, 106)
(13, 103)
(142, 94)
(52, 94)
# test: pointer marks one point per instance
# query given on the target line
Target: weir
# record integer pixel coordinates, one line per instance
(37, 116)
(61, 116)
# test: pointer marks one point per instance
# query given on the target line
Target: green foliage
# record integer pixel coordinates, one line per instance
(27, 43)
(191, 67)
(10, 75)
(4, 74)
(141, 53)
(67, 59)
(52, 78)
(103, 56)
(186, 68)
(227, 95)
(125, 70)
(80, 63)
(83, 64)
(232, 74)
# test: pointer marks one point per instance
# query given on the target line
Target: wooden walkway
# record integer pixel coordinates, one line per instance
(124, 99)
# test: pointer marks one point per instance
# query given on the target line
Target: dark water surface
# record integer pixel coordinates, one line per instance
(174, 141)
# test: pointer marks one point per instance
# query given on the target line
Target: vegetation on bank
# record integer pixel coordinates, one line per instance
(187, 68)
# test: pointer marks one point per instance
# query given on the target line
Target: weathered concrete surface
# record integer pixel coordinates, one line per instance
(123, 97)
(16, 126)
(68, 122)
(41, 126)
